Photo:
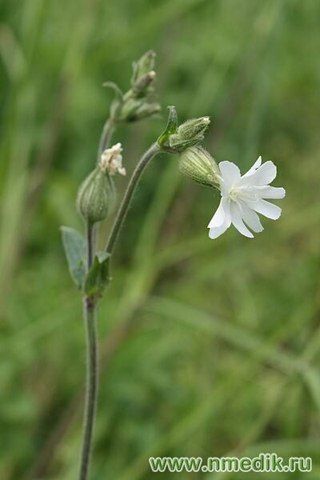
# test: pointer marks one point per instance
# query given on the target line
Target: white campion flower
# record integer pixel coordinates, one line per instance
(111, 160)
(243, 197)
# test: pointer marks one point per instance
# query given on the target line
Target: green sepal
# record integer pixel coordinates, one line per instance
(75, 250)
(98, 276)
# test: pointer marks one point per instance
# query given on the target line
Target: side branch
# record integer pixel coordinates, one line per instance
(125, 204)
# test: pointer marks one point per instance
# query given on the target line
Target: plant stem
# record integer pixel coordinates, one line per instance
(106, 136)
(90, 305)
(125, 204)
(90, 244)
(89, 313)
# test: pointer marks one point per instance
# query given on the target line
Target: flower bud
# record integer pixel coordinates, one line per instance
(198, 164)
(133, 109)
(176, 139)
(129, 109)
(147, 110)
(140, 87)
(96, 196)
(144, 65)
(139, 102)
(189, 133)
(193, 129)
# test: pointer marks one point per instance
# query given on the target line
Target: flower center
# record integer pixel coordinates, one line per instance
(242, 193)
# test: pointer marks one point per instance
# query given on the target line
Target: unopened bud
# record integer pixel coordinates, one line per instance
(141, 86)
(147, 110)
(198, 164)
(138, 102)
(96, 196)
(129, 109)
(137, 109)
(144, 65)
(176, 139)
(193, 129)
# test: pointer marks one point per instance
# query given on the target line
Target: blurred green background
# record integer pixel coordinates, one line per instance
(208, 347)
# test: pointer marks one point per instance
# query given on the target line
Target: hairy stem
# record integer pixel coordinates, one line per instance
(90, 244)
(89, 313)
(106, 136)
(125, 204)
(90, 306)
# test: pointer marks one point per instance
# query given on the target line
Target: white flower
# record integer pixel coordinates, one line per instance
(242, 197)
(111, 160)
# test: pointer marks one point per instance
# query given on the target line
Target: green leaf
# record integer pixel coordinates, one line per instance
(74, 247)
(171, 127)
(98, 275)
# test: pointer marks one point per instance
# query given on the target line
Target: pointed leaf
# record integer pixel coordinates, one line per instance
(74, 247)
(98, 276)
(171, 127)
(172, 124)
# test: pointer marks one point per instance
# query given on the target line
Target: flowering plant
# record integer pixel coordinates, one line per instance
(242, 198)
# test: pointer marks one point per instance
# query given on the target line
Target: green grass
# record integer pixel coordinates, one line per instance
(208, 347)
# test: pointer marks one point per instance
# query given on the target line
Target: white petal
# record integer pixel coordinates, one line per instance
(262, 176)
(254, 167)
(236, 219)
(219, 216)
(251, 218)
(230, 173)
(266, 208)
(271, 192)
(217, 230)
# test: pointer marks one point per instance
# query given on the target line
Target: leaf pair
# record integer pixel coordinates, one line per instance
(95, 281)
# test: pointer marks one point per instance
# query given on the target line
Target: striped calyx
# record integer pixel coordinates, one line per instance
(96, 196)
(198, 164)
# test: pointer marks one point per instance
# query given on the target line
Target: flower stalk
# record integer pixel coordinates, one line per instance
(126, 201)
(89, 313)
(91, 387)
(106, 136)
